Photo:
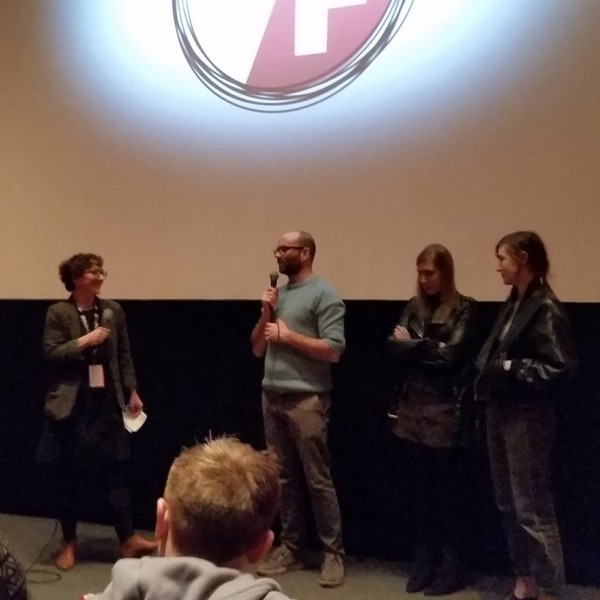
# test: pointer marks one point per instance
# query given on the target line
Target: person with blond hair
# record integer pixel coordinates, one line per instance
(212, 523)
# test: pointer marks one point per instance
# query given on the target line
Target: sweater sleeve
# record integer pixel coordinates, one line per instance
(330, 312)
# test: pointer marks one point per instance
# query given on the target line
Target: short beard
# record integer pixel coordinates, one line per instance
(291, 269)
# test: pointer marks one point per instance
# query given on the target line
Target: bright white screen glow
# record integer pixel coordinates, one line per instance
(245, 32)
(140, 76)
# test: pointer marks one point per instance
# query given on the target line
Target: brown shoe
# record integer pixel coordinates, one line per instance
(136, 546)
(65, 559)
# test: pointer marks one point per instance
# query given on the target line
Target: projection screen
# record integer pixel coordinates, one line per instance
(179, 138)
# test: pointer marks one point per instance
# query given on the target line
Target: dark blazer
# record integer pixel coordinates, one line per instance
(538, 344)
(66, 361)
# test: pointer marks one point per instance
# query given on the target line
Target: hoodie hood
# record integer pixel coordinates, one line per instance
(184, 578)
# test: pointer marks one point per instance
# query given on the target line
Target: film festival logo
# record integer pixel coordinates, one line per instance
(283, 55)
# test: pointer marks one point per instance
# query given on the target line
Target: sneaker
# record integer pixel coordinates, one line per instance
(332, 570)
(278, 561)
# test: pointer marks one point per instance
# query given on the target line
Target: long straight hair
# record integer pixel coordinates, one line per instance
(442, 260)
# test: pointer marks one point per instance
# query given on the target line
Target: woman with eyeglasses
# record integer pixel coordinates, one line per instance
(429, 350)
(524, 367)
(92, 383)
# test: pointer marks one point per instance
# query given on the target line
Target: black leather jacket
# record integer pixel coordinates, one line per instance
(433, 360)
(428, 369)
(538, 345)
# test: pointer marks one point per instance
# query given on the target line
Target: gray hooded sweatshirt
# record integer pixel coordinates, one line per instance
(184, 578)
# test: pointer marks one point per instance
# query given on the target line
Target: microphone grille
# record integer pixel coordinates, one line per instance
(273, 277)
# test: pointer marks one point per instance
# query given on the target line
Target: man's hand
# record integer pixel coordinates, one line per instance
(259, 339)
(277, 332)
(269, 299)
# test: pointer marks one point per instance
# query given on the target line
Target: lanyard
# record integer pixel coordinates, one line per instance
(84, 321)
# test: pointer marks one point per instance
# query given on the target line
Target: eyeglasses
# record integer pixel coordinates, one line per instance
(284, 249)
(97, 273)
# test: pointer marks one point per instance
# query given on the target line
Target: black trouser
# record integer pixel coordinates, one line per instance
(436, 499)
(81, 486)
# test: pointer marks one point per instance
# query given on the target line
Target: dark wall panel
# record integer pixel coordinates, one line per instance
(198, 377)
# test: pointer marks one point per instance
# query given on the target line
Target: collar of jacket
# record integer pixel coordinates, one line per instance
(440, 316)
(74, 322)
(536, 293)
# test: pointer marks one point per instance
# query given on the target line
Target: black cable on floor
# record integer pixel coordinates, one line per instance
(42, 576)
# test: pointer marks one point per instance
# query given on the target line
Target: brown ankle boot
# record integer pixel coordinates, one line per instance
(136, 545)
(65, 559)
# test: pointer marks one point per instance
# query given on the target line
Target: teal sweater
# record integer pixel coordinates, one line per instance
(314, 309)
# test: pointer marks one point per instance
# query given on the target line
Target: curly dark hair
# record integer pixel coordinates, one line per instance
(73, 268)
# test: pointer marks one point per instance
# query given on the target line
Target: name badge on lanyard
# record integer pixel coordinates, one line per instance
(95, 371)
(96, 376)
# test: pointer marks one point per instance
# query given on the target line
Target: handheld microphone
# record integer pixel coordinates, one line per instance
(273, 277)
(107, 317)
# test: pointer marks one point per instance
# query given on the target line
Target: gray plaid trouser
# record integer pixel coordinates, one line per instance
(520, 440)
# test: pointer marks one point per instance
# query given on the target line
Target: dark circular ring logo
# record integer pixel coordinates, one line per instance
(292, 68)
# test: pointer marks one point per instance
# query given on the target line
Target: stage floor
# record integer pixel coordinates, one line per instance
(36, 540)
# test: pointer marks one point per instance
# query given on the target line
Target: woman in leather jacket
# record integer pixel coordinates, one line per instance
(429, 347)
(524, 366)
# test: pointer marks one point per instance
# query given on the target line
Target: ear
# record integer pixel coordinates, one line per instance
(261, 547)
(305, 253)
(163, 520)
(523, 257)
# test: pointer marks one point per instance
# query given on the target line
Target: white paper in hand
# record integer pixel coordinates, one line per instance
(133, 424)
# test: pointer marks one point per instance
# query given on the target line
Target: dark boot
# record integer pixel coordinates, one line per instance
(136, 546)
(422, 570)
(449, 578)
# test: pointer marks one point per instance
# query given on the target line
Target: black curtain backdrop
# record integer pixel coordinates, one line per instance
(198, 377)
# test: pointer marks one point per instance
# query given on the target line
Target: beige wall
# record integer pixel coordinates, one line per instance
(527, 158)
